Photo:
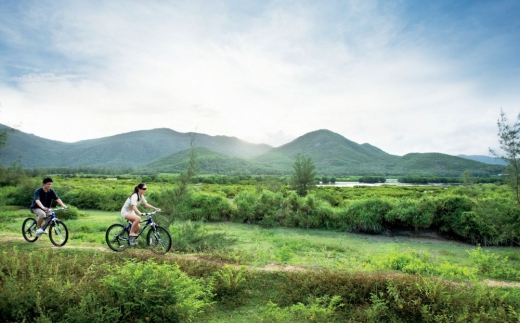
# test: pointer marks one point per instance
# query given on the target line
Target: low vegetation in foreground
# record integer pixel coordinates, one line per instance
(256, 252)
(225, 272)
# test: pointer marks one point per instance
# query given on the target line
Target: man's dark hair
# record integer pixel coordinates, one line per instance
(47, 180)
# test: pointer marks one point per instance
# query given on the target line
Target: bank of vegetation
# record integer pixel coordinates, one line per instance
(485, 214)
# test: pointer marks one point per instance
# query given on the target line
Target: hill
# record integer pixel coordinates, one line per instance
(485, 159)
(132, 149)
(331, 152)
(165, 150)
(208, 162)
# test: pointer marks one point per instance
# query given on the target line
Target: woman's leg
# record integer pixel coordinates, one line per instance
(135, 219)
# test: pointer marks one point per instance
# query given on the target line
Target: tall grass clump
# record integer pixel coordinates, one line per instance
(492, 265)
(155, 293)
(58, 286)
(366, 215)
(191, 236)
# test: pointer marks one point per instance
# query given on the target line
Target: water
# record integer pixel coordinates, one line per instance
(391, 182)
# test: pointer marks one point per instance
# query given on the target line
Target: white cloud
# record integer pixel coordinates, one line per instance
(265, 73)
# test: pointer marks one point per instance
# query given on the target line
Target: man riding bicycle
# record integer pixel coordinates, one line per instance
(41, 203)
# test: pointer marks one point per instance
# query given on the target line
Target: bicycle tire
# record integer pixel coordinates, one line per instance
(58, 233)
(117, 237)
(159, 240)
(29, 230)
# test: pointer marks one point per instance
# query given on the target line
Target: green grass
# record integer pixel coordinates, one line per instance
(273, 255)
(259, 247)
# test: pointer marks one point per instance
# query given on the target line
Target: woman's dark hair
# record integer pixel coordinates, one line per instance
(136, 190)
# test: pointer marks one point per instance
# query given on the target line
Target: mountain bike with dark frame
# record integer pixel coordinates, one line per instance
(58, 232)
(158, 238)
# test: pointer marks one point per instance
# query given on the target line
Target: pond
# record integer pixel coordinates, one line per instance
(388, 182)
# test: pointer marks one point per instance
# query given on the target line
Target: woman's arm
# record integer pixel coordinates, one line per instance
(148, 205)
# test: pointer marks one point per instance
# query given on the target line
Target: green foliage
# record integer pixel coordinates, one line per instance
(191, 236)
(245, 202)
(24, 192)
(13, 175)
(304, 171)
(372, 179)
(448, 216)
(492, 265)
(206, 207)
(320, 309)
(366, 215)
(409, 213)
(510, 144)
(70, 213)
(158, 293)
(419, 263)
(229, 284)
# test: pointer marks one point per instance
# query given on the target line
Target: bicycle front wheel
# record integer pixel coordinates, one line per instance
(159, 240)
(58, 233)
(29, 230)
(117, 237)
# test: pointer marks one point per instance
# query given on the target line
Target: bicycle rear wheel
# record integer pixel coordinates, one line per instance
(159, 240)
(117, 237)
(58, 233)
(29, 230)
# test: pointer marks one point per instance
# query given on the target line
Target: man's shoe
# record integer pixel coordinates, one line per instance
(41, 231)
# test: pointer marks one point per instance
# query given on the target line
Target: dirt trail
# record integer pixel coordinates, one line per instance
(8, 239)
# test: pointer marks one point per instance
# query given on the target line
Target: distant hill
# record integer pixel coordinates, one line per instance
(132, 149)
(165, 150)
(485, 159)
(329, 151)
(209, 162)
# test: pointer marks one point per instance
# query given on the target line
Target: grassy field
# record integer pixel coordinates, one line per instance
(243, 244)
(265, 252)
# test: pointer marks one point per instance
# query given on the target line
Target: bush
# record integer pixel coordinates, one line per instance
(207, 207)
(70, 213)
(156, 293)
(367, 215)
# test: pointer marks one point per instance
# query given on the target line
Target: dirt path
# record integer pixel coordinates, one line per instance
(11, 239)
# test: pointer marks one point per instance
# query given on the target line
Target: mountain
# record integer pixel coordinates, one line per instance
(165, 150)
(132, 149)
(329, 151)
(209, 162)
(485, 159)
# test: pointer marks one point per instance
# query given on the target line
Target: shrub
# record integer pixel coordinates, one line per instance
(207, 206)
(194, 237)
(367, 215)
(157, 293)
(70, 213)
(448, 213)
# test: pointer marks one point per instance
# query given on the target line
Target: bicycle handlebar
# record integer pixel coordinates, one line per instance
(56, 208)
(151, 213)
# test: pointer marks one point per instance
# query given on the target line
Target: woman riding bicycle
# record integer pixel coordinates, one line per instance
(129, 210)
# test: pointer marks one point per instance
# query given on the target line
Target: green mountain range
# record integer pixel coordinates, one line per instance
(165, 150)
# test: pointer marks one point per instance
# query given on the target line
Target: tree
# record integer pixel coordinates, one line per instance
(302, 178)
(174, 200)
(510, 144)
(3, 138)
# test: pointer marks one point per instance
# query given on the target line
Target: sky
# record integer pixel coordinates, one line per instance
(404, 76)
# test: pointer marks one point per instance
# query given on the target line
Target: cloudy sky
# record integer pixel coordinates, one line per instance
(405, 76)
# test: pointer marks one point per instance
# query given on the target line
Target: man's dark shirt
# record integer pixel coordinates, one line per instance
(44, 197)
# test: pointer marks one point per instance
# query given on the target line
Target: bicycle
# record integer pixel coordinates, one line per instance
(158, 238)
(58, 232)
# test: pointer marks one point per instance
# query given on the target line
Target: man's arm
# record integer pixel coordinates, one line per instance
(60, 203)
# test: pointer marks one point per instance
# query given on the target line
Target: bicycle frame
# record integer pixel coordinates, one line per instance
(148, 222)
(58, 232)
(158, 238)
